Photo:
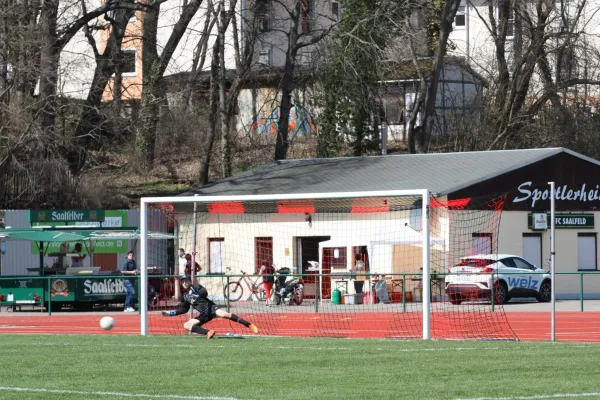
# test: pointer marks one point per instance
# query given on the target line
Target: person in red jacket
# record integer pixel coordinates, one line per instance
(267, 269)
(188, 266)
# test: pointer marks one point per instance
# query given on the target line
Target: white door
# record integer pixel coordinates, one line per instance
(532, 250)
(586, 251)
(217, 256)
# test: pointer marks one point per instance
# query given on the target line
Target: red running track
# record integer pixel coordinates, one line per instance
(527, 326)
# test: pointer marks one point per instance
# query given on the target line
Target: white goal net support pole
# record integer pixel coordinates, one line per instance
(423, 195)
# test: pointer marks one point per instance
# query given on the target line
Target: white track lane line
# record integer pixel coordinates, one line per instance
(540, 396)
(114, 394)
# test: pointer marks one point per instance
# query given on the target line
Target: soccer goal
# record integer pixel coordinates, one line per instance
(354, 264)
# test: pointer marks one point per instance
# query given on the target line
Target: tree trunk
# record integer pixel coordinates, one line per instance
(145, 139)
(226, 167)
(49, 58)
(212, 116)
(117, 91)
(282, 144)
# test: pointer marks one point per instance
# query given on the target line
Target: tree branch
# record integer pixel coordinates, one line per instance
(71, 30)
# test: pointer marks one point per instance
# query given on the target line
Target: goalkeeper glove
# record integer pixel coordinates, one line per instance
(168, 313)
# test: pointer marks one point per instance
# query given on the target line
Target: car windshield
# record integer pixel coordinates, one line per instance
(475, 262)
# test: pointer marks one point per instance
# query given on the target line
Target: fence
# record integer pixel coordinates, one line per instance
(387, 307)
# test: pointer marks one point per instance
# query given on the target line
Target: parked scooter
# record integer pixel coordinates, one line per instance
(287, 292)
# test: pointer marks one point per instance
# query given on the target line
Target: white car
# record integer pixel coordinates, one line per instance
(508, 275)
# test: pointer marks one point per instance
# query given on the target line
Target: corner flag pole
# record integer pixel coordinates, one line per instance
(552, 262)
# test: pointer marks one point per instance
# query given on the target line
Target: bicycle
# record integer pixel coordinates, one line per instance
(234, 289)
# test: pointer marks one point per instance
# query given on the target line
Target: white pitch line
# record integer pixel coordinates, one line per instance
(113, 394)
(539, 396)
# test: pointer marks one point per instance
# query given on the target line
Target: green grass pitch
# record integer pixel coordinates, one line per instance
(161, 367)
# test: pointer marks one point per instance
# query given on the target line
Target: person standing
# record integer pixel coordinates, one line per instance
(360, 277)
(188, 267)
(129, 268)
(268, 270)
(77, 260)
(180, 271)
(182, 262)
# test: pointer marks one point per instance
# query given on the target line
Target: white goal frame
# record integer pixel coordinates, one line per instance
(424, 194)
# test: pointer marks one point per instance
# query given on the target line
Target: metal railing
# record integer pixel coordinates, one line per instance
(44, 294)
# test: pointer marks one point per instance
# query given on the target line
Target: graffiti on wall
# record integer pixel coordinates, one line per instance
(301, 122)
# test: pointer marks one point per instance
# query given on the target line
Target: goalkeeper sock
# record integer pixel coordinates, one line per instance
(240, 320)
(199, 330)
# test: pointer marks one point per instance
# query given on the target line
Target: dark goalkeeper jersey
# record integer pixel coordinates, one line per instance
(196, 297)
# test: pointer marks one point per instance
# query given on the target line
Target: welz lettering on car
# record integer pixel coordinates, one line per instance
(522, 282)
(498, 278)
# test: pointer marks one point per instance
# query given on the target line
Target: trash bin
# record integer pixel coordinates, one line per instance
(336, 297)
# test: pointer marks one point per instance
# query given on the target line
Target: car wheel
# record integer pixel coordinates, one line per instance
(500, 293)
(545, 294)
(455, 299)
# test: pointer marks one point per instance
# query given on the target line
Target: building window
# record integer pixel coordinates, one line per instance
(460, 18)
(568, 63)
(335, 257)
(110, 15)
(509, 53)
(336, 14)
(510, 23)
(128, 62)
(216, 255)
(264, 57)
(482, 243)
(308, 15)
(586, 251)
(263, 251)
(263, 15)
(305, 58)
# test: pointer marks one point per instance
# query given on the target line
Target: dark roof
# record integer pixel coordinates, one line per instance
(441, 173)
(256, 78)
(406, 69)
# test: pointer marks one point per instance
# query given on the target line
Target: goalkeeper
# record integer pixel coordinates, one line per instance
(196, 296)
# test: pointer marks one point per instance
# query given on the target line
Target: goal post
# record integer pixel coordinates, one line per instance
(380, 256)
(422, 194)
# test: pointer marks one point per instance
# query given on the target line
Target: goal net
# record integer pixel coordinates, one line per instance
(369, 265)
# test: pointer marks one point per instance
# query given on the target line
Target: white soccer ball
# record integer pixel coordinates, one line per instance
(107, 323)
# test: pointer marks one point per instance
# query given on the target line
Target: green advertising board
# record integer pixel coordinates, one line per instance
(110, 218)
(561, 221)
(52, 216)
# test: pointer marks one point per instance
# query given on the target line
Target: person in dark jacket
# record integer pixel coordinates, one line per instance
(129, 268)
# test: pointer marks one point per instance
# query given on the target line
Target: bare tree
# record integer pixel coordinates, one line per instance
(550, 40)
(226, 89)
(154, 67)
(419, 138)
(300, 31)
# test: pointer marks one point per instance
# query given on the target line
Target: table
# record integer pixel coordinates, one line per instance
(436, 282)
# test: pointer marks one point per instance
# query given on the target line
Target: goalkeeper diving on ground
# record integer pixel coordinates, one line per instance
(196, 296)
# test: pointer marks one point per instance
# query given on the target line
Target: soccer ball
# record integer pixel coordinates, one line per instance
(107, 323)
